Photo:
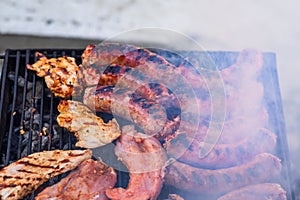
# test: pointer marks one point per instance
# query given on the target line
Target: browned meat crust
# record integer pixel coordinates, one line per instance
(188, 149)
(27, 174)
(62, 76)
(89, 182)
(257, 192)
(145, 160)
(258, 170)
(90, 130)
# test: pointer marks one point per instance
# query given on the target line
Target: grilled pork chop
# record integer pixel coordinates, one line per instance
(62, 75)
(89, 181)
(89, 129)
(27, 174)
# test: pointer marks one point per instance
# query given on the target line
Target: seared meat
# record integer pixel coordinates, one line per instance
(145, 160)
(258, 170)
(112, 74)
(257, 192)
(27, 174)
(96, 59)
(62, 76)
(89, 129)
(89, 182)
(187, 150)
(152, 117)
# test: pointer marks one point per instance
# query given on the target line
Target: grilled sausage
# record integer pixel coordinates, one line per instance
(148, 114)
(257, 192)
(96, 59)
(188, 149)
(261, 169)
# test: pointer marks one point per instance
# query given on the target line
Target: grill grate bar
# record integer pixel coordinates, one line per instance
(50, 123)
(73, 54)
(3, 83)
(29, 145)
(12, 116)
(22, 124)
(41, 118)
(54, 55)
(62, 132)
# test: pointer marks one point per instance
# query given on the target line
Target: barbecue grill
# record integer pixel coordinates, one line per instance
(28, 109)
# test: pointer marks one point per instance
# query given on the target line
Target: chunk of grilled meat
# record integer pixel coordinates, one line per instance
(89, 181)
(27, 174)
(62, 75)
(145, 160)
(257, 192)
(90, 130)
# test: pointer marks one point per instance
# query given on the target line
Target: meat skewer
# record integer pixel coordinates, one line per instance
(261, 169)
(27, 174)
(145, 159)
(257, 192)
(89, 181)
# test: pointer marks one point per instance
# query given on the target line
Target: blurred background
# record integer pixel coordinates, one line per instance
(231, 25)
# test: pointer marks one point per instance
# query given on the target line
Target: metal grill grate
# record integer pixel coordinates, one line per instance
(26, 105)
